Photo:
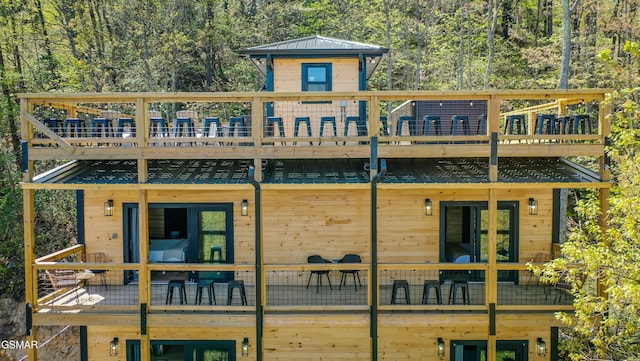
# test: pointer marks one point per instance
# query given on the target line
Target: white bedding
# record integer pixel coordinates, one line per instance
(168, 250)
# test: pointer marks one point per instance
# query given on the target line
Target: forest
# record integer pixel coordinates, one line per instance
(195, 45)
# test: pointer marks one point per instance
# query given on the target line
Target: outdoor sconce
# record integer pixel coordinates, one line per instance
(245, 347)
(440, 347)
(470, 103)
(114, 347)
(428, 207)
(542, 347)
(533, 207)
(108, 208)
(244, 207)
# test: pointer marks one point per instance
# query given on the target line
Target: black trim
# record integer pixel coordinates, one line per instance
(258, 262)
(494, 149)
(555, 221)
(373, 323)
(80, 215)
(84, 346)
(28, 319)
(555, 352)
(143, 318)
(25, 155)
(492, 319)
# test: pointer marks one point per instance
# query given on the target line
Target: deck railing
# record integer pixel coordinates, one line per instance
(300, 287)
(276, 125)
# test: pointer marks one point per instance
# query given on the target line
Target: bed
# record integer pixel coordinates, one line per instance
(456, 253)
(168, 250)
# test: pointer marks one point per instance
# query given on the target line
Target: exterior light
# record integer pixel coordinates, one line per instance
(440, 347)
(114, 347)
(470, 103)
(541, 347)
(533, 207)
(108, 208)
(245, 347)
(244, 208)
(428, 207)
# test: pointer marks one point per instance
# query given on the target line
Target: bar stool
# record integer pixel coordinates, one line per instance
(239, 284)
(459, 285)
(458, 121)
(53, 124)
(126, 122)
(209, 286)
(215, 250)
(73, 127)
(271, 122)
(328, 119)
(296, 126)
(432, 125)
(183, 127)
(157, 127)
(398, 284)
(515, 124)
(215, 122)
(385, 125)
(182, 291)
(545, 123)
(428, 286)
(581, 124)
(100, 126)
(561, 125)
(237, 127)
(408, 120)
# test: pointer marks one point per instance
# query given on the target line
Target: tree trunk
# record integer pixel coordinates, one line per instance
(566, 45)
(492, 20)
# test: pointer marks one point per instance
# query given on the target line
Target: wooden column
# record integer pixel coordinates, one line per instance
(142, 135)
(31, 276)
(27, 135)
(494, 130)
(144, 277)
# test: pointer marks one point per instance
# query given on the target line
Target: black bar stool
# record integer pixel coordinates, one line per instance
(182, 291)
(515, 124)
(239, 284)
(126, 122)
(458, 121)
(398, 284)
(453, 291)
(328, 119)
(211, 292)
(428, 286)
(410, 123)
(432, 125)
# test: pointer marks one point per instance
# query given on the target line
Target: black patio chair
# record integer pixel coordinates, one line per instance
(350, 258)
(318, 259)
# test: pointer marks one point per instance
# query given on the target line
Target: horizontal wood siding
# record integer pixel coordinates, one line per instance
(316, 337)
(331, 223)
(406, 235)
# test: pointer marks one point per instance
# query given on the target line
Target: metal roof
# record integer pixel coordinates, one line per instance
(316, 46)
(321, 171)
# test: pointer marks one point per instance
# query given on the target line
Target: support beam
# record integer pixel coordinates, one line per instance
(31, 289)
(144, 289)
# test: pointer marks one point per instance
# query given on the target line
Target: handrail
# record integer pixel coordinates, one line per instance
(52, 257)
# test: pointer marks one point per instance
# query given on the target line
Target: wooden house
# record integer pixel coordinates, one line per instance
(202, 243)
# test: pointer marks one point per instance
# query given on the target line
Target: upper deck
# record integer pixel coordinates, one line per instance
(315, 125)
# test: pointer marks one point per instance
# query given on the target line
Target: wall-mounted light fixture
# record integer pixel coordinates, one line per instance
(440, 347)
(108, 208)
(470, 103)
(245, 347)
(114, 347)
(541, 347)
(533, 207)
(428, 207)
(244, 207)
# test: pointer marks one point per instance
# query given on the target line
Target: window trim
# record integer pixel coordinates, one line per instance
(305, 75)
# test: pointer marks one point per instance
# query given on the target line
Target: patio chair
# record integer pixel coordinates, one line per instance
(538, 258)
(350, 258)
(62, 279)
(97, 257)
(318, 259)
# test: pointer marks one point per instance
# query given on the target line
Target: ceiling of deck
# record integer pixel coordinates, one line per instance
(320, 171)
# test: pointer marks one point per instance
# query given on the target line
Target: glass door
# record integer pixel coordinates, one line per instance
(182, 350)
(469, 350)
(512, 350)
(212, 228)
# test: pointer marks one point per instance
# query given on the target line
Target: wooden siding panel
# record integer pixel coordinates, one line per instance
(332, 223)
(317, 337)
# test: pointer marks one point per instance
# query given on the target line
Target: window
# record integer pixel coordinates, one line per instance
(316, 77)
